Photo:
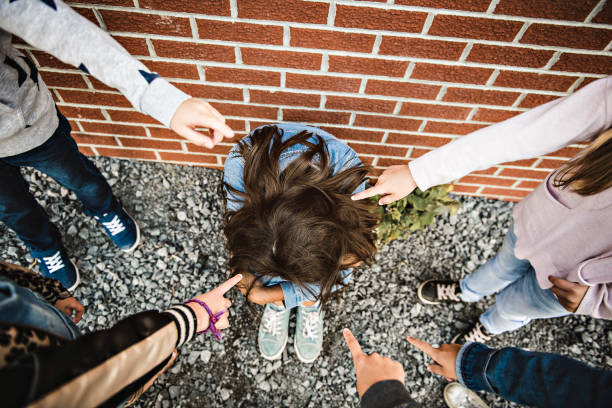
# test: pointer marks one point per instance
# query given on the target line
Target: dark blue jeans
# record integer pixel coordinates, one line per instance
(60, 159)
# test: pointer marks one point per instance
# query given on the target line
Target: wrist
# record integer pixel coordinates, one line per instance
(202, 317)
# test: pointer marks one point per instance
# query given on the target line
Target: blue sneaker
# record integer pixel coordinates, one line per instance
(121, 229)
(308, 333)
(57, 265)
(273, 331)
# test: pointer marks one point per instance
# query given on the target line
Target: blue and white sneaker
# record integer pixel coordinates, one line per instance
(308, 333)
(57, 265)
(121, 229)
(273, 331)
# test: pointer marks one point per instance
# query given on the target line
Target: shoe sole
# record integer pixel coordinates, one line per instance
(78, 277)
(133, 247)
(420, 294)
(276, 356)
(299, 356)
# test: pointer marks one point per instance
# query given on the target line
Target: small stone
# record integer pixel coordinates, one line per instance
(205, 356)
(162, 252)
(224, 394)
(181, 216)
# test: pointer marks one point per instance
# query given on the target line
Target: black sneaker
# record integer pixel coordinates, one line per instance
(477, 333)
(436, 291)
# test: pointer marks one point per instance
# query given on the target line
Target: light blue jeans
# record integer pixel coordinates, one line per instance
(519, 296)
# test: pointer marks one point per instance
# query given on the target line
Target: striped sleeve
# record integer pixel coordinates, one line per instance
(186, 322)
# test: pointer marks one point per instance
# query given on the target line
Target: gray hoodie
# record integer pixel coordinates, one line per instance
(27, 112)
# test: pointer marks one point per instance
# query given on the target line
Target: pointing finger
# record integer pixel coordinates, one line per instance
(352, 344)
(228, 284)
(370, 192)
(423, 346)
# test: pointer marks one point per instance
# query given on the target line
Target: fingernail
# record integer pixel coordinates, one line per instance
(239, 275)
(345, 330)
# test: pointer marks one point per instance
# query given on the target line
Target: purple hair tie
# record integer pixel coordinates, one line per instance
(213, 318)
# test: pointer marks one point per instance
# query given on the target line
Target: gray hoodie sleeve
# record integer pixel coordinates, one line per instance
(55, 28)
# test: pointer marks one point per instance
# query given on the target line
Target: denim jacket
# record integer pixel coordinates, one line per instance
(341, 157)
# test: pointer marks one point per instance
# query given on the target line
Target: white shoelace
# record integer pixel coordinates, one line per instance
(448, 292)
(477, 335)
(272, 321)
(311, 325)
(114, 226)
(54, 262)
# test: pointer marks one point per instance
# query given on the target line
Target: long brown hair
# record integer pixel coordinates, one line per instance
(299, 223)
(591, 171)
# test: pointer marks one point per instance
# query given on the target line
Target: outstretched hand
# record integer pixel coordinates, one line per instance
(370, 369)
(394, 183)
(445, 357)
(194, 113)
(216, 301)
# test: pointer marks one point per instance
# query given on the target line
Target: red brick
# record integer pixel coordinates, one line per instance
(387, 122)
(63, 80)
(46, 60)
(283, 59)
(530, 80)
(371, 66)
(211, 92)
(474, 27)
(187, 157)
(87, 13)
(133, 45)
(284, 10)
(99, 85)
(549, 9)
(505, 192)
(236, 125)
(550, 164)
(81, 138)
(81, 113)
(416, 153)
(130, 116)
(566, 152)
(402, 89)
(417, 140)
(360, 104)
(468, 5)
(322, 82)
(521, 163)
(533, 100)
(489, 171)
(355, 134)
(217, 149)
(460, 188)
(164, 133)
(250, 111)
(242, 76)
(493, 115)
(314, 116)
(173, 70)
(528, 184)
(452, 128)
(123, 3)
(434, 111)
(585, 82)
(488, 181)
(209, 7)
(150, 143)
(379, 19)
(123, 21)
(195, 51)
(86, 150)
(367, 148)
(605, 15)
(565, 36)
(113, 129)
(367, 160)
(127, 153)
(524, 173)
(515, 56)
(331, 40)
(93, 98)
(421, 48)
(448, 73)
(596, 64)
(480, 96)
(284, 98)
(387, 162)
(240, 32)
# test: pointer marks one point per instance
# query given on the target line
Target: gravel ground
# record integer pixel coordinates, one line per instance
(180, 213)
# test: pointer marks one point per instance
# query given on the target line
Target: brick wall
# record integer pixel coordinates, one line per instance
(394, 79)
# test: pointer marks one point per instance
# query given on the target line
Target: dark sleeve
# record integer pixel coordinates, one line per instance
(49, 288)
(42, 373)
(534, 379)
(387, 394)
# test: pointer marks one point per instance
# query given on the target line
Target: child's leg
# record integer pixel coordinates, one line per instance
(497, 273)
(520, 302)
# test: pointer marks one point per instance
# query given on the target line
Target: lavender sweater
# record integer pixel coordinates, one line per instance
(561, 233)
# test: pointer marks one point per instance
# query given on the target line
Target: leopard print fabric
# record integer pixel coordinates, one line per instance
(17, 341)
(49, 288)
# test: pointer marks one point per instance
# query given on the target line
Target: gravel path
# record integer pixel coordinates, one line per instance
(180, 213)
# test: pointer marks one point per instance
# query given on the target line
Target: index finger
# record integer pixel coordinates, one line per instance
(215, 124)
(228, 284)
(370, 192)
(352, 344)
(423, 346)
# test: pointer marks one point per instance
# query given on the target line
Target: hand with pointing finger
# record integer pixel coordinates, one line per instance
(445, 357)
(570, 294)
(371, 368)
(194, 113)
(394, 183)
(217, 302)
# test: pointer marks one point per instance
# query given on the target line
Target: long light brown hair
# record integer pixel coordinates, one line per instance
(591, 171)
(299, 223)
